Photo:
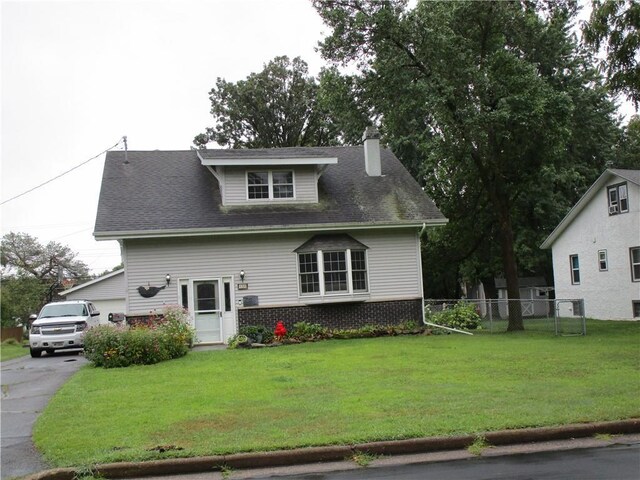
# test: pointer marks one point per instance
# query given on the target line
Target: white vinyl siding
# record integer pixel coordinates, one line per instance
(109, 288)
(270, 263)
(235, 185)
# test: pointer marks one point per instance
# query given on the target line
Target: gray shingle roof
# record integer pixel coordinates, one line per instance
(630, 175)
(170, 191)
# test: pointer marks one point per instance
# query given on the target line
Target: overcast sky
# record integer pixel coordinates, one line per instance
(77, 76)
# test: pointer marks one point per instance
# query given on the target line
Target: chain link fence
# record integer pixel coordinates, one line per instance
(557, 316)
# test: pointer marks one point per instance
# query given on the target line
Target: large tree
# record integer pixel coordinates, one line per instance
(25, 255)
(30, 273)
(615, 25)
(280, 106)
(483, 99)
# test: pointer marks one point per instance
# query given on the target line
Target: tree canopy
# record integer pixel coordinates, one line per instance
(493, 105)
(280, 106)
(615, 25)
(24, 254)
(30, 272)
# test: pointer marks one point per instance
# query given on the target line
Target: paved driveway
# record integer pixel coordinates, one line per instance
(27, 385)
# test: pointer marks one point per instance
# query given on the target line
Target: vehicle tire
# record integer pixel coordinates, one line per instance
(49, 351)
(35, 353)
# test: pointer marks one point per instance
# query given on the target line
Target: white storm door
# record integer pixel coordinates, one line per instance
(228, 309)
(206, 311)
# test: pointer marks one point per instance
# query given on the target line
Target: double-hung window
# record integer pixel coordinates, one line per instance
(618, 198)
(634, 254)
(602, 261)
(270, 185)
(332, 265)
(575, 269)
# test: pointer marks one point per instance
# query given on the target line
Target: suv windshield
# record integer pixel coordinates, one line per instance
(69, 310)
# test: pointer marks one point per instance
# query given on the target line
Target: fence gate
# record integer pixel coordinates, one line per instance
(569, 317)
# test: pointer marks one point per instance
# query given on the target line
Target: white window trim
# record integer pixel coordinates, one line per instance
(270, 185)
(350, 292)
(605, 260)
(631, 264)
(615, 207)
(571, 269)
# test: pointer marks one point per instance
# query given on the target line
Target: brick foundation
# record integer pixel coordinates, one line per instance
(335, 315)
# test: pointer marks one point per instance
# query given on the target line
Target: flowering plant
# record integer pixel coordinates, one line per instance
(280, 331)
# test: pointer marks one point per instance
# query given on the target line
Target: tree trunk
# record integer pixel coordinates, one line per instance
(510, 266)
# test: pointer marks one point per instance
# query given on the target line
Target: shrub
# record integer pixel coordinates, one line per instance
(462, 316)
(257, 334)
(305, 331)
(238, 340)
(120, 346)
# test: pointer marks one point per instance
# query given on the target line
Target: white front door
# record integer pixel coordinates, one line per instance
(206, 311)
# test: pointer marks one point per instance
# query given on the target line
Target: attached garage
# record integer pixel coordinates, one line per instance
(106, 293)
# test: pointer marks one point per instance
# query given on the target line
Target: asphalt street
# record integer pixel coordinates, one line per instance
(27, 385)
(608, 458)
(621, 462)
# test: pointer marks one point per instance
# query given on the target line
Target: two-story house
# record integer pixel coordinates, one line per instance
(596, 248)
(327, 235)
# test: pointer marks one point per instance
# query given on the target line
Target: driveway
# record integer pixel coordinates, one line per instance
(27, 385)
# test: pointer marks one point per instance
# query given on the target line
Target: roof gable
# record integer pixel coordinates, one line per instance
(92, 282)
(607, 176)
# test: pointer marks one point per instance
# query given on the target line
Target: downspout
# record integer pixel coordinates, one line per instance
(447, 328)
(424, 227)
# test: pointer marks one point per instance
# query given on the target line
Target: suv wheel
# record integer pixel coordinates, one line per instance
(35, 353)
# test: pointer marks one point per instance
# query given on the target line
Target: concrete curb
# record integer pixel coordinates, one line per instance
(176, 466)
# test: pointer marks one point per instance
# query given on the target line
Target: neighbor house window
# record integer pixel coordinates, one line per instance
(270, 185)
(575, 269)
(636, 308)
(618, 199)
(634, 253)
(602, 260)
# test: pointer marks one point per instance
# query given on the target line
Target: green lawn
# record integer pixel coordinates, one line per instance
(343, 391)
(11, 350)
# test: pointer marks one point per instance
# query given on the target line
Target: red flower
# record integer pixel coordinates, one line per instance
(280, 331)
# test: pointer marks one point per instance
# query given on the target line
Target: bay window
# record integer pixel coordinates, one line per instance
(332, 265)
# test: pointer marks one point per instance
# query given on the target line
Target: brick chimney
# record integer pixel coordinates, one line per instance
(371, 139)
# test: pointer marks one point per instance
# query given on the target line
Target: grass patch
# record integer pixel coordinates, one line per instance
(363, 459)
(478, 446)
(12, 349)
(348, 391)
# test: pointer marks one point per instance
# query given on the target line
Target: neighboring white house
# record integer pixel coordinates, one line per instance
(596, 248)
(327, 235)
(105, 292)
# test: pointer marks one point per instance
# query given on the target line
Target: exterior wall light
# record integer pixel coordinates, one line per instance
(168, 279)
(242, 274)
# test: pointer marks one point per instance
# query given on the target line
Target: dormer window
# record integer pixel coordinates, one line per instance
(618, 199)
(270, 185)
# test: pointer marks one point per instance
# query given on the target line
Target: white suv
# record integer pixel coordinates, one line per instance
(61, 325)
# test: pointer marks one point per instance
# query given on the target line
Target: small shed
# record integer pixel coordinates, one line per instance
(533, 292)
(106, 293)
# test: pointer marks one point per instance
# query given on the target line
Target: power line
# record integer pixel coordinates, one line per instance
(62, 174)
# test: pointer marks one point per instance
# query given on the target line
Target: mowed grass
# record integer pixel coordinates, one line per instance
(343, 391)
(12, 349)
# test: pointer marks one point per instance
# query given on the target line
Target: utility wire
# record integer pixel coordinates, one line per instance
(63, 173)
